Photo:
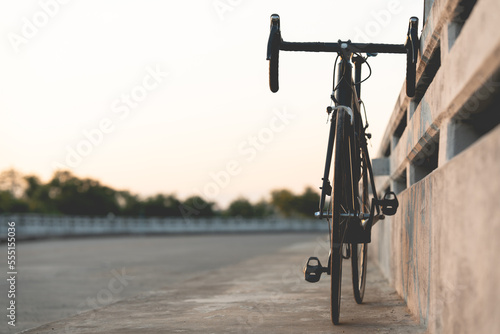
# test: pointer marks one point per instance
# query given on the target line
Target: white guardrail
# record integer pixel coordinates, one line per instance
(48, 226)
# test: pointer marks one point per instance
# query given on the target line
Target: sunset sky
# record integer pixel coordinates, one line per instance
(172, 96)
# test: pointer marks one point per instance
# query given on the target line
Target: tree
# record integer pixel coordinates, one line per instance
(11, 204)
(195, 206)
(161, 206)
(129, 204)
(12, 185)
(241, 207)
(37, 196)
(12, 181)
(68, 194)
(263, 209)
(74, 196)
(284, 201)
(307, 203)
(290, 204)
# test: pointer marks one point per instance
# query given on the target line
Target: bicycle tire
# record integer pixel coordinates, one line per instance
(359, 253)
(341, 203)
(359, 261)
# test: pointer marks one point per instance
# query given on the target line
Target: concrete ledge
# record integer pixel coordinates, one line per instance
(439, 248)
(381, 167)
(464, 72)
(454, 84)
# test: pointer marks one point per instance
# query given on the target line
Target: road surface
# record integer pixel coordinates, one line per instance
(205, 283)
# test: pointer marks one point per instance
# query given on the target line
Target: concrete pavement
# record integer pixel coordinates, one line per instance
(59, 278)
(263, 294)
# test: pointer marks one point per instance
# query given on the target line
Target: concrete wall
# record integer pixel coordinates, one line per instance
(440, 251)
(47, 226)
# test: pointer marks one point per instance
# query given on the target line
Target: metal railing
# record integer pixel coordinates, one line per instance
(47, 226)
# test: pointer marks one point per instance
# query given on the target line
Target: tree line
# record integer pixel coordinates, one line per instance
(67, 194)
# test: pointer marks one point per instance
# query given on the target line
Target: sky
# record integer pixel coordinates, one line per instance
(166, 96)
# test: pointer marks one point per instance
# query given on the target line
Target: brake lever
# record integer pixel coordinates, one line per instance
(412, 38)
(274, 35)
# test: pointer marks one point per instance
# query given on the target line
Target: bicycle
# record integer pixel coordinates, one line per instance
(351, 214)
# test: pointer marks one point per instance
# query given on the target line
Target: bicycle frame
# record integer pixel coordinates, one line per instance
(347, 95)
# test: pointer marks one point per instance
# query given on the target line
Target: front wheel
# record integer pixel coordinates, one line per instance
(342, 203)
(359, 260)
(336, 274)
(359, 255)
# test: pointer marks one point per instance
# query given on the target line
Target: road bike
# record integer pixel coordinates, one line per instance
(354, 202)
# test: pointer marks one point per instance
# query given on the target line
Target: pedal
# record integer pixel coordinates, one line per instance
(312, 271)
(389, 204)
